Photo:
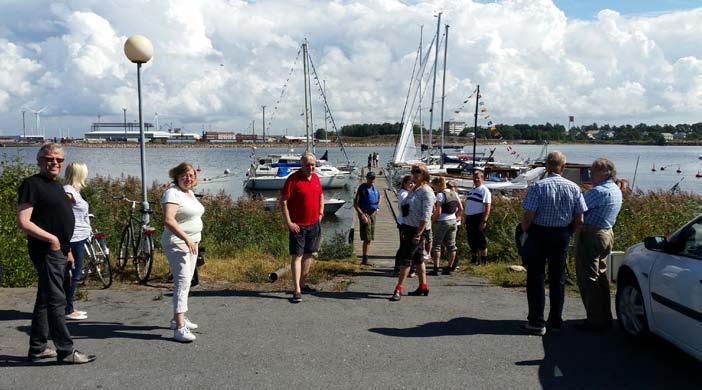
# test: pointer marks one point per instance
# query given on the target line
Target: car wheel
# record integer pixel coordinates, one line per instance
(631, 312)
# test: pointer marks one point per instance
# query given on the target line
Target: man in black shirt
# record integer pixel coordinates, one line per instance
(45, 213)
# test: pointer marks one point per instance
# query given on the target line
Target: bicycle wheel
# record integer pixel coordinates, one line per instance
(125, 248)
(144, 258)
(101, 263)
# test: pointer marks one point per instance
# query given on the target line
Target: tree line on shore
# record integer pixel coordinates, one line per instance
(641, 133)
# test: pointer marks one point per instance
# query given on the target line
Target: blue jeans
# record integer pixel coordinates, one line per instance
(70, 284)
(546, 244)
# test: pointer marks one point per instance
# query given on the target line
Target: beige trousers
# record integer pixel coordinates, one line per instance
(592, 246)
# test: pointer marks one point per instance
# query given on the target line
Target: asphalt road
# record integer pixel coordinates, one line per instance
(462, 336)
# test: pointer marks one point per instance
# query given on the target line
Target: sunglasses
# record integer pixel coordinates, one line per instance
(53, 159)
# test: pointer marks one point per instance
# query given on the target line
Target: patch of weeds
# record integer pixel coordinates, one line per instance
(257, 273)
(336, 247)
(82, 295)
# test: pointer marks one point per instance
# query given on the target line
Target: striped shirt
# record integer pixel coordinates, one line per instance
(604, 201)
(476, 200)
(555, 200)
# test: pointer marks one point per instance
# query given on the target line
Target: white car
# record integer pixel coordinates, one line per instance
(659, 288)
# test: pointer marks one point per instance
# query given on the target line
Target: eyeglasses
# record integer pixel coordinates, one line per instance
(53, 159)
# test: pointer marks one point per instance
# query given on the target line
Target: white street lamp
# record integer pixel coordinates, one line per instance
(139, 50)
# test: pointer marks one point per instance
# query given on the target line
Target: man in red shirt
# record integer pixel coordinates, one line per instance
(302, 202)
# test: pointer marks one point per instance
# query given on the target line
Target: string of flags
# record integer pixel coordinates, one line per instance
(285, 87)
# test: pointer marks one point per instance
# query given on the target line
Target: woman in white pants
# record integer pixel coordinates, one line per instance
(182, 219)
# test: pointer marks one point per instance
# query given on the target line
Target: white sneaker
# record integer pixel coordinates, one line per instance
(183, 335)
(188, 324)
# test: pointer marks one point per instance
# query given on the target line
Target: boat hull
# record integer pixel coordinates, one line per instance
(276, 183)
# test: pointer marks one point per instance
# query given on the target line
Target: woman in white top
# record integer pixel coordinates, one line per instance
(402, 208)
(182, 219)
(447, 211)
(76, 173)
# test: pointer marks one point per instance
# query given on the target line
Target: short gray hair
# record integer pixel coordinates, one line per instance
(48, 147)
(554, 160)
(605, 167)
(306, 157)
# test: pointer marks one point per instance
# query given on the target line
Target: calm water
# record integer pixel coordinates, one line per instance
(213, 162)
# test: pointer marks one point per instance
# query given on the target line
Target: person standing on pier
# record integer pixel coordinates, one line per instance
(553, 210)
(477, 210)
(593, 243)
(45, 214)
(421, 204)
(302, 203)
(367, 202)
(447, 211)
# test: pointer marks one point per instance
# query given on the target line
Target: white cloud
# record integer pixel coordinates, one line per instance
(217, 61)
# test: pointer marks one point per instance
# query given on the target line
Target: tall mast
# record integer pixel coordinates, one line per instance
(264, 123)
(421, 76)
(443, 97)
(433, 87)
(475, 125)
(304, 71)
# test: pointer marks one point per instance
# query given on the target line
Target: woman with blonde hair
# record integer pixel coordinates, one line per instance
(76, 173)
(421, 204)
(182, 219)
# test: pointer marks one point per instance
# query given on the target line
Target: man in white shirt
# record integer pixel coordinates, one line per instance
(477, 210)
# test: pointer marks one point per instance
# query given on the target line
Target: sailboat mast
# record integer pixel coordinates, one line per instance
(421, 76)
(443, 97)
(433, 87)
(304, 71)
(475, 126)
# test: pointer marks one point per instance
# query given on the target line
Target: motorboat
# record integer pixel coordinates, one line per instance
(331, 205)
(270, 173)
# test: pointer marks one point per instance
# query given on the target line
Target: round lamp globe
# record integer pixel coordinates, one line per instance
(138, 49)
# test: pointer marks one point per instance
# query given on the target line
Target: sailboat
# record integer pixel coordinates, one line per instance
(270, 173)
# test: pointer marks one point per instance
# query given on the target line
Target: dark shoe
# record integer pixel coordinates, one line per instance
(47, 353)
(433, 273)
(396, 296)
(419, 292)
(552, 330)
(77, 357)
(587, 326)
(534, 330)
(364, 260)
(446, 271)
(309, 289)
(297, 298)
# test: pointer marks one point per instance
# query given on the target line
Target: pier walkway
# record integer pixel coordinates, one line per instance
(387, 240)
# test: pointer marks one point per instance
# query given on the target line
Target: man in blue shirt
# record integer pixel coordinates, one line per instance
(367, 203)
(593, 244)
(553, 209)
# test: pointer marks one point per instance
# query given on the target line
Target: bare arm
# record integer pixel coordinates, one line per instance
(169, 221)
(526, 219)
(293, 227)
(578, 221)
(459, 212)
(486, 215)
(24, 223)
(321, 206)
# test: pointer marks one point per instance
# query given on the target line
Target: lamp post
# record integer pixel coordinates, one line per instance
(139, 50)
(124, 109)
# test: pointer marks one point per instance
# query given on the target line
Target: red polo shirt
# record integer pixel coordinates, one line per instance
(303, 198)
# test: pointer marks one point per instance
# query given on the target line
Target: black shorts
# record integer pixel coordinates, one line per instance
(307, 241)
(411, 250)
(476, 237)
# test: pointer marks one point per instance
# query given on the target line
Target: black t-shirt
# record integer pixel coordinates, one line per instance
(52, 211)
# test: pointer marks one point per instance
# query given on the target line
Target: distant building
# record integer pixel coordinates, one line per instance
(249, 138)
(454, 127)
(667, 136)
(133, 136)
(220, 137)
(680, 135)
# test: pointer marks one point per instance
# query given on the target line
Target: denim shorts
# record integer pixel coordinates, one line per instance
(307, 241)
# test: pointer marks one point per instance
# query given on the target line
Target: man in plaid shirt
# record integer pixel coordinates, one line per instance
(553, 209)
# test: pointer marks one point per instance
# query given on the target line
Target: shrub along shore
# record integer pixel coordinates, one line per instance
(245, 242)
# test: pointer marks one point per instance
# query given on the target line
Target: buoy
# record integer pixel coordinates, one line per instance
(653, 169)
(227, 171)
(662, 168)
(699, 174)
(678, 170)
(199, 169)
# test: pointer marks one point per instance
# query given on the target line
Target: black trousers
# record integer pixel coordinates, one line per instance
(546, 245)
(48, 318)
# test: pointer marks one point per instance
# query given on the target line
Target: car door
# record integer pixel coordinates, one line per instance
(676, 288)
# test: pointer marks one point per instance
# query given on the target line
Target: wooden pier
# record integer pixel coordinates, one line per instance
(387, 239)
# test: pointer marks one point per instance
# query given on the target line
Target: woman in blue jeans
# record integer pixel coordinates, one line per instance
(76, 173)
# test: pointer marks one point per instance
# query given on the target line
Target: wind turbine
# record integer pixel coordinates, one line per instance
(36, 118)
(156, 121)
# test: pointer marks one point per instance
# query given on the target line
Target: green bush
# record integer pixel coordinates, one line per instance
(336, 247)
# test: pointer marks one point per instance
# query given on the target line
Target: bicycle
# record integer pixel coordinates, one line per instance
(97, 257)
(137, 247)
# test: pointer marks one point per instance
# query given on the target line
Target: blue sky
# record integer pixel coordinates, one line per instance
(588, 9)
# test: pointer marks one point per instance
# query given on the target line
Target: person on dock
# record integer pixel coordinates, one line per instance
(593, 244)
(370, 161)
(45, 214)
(553, 210)
(421, 205)
(302, 203)
(406, 187)
(477, 210)
(76, 173)
(366, 203)
(182, 233)
(447, 210)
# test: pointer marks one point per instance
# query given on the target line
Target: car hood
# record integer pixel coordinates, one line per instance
(640, 259)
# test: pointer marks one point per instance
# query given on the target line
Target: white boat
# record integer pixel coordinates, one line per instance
(331, 205)
(270, 173)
